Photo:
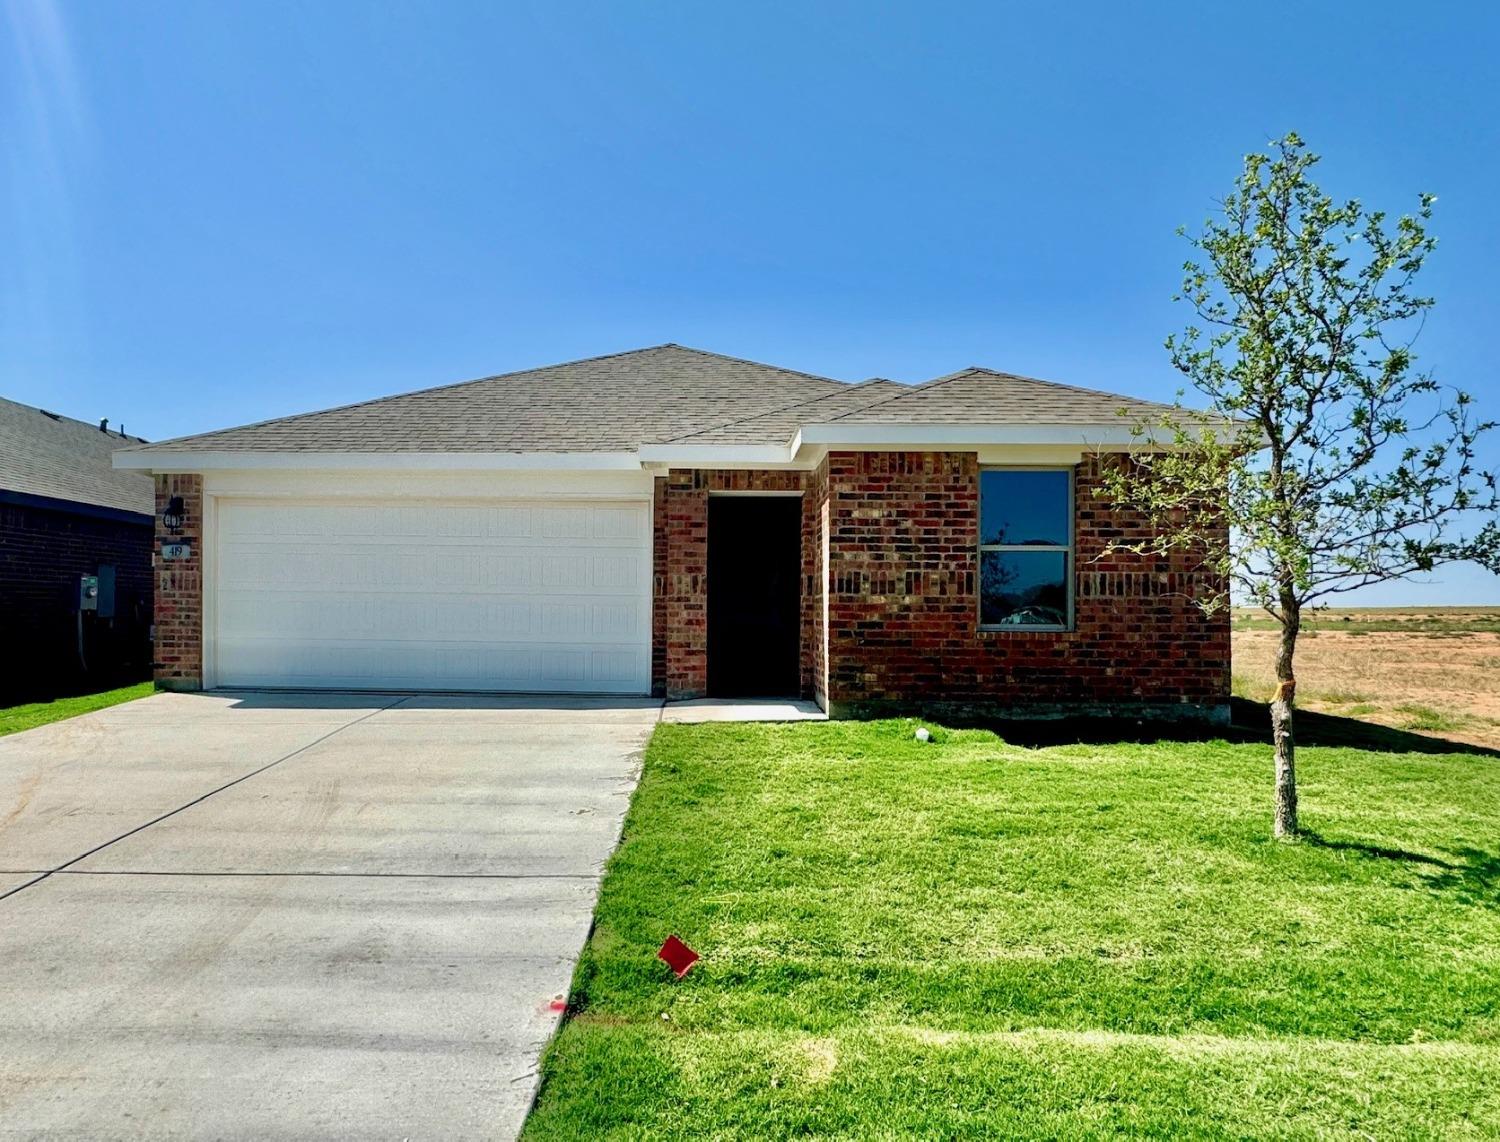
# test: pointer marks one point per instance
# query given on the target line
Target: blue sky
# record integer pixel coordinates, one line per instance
(218, 213)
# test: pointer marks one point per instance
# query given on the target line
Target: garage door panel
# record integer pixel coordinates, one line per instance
(492, 597)
(363, 524)
(370, 665)
(334, 567)
(279, 616)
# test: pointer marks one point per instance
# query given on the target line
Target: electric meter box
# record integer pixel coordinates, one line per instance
(96, 593)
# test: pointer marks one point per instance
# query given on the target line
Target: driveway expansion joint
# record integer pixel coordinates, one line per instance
(199, 800)
(381, 932)
(45, 872)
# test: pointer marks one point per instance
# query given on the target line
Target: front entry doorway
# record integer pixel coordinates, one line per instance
(754, 596)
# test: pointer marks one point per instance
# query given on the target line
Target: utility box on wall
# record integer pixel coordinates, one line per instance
(96, 593)
(106, 608)
(75, 600)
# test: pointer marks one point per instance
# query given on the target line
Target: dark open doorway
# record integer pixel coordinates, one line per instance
(754, 593)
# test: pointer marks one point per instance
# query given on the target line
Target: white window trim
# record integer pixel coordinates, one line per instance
(1070, 572)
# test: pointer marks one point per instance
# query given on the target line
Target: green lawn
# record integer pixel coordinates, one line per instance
(970, 938)
(14, 719)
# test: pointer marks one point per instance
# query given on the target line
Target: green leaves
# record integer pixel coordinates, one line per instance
(1329, 460)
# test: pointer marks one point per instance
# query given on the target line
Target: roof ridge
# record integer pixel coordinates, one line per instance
(983, 370)
(1053, 385)
(749, 361)
(953, 376)
(849, 386)
(64, 418)
(932, 384)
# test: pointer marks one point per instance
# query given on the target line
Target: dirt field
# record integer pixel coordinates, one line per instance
(1430, 670)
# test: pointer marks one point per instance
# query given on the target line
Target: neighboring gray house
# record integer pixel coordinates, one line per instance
(75, 557)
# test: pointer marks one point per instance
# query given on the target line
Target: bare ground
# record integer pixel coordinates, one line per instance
(1445, 683)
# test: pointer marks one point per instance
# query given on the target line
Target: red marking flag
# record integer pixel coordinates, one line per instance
(677, 956)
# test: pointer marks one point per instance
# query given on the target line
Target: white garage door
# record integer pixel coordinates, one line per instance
(491, 595)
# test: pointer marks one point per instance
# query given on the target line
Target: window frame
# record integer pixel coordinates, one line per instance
(1070, 572)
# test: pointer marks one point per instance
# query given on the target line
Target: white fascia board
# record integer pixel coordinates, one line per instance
(814, 441)
(968, 437)
(448, 484)
(716, 455)
(997, 455)
(168, 461)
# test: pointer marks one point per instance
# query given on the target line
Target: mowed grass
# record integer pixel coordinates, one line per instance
(14, 719)
(969, 938)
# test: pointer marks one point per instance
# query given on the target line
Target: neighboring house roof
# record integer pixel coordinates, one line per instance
(665, 395)
(44, 454)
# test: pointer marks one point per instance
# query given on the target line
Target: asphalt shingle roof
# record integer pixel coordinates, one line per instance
(603, 404)
(44, 454)
(665, 394)
(984, 396)
(780, 426)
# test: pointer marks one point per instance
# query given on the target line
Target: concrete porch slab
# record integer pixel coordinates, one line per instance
(742, 710)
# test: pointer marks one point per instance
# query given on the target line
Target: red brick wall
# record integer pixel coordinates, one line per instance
(815, 591)
(43, 552)
(812, 580)
(659, 587)
(901, 596)
(685, 593)
(179, 589)
(903, 607)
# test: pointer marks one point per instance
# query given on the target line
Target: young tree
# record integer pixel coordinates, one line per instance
(1336, 462)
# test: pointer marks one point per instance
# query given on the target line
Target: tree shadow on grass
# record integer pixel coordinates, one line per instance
(1475, 881)
(1472, 875)
(1378, 852)
(1333, 730)
(1250, 722)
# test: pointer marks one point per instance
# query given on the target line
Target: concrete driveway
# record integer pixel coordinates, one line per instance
(281, 915)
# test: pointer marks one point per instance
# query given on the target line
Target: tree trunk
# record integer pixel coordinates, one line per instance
(1285, 823)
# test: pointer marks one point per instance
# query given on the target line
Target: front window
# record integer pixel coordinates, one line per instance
(1025, 548)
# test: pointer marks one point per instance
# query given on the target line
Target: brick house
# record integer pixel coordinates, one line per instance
(679, 523)
(70, 522)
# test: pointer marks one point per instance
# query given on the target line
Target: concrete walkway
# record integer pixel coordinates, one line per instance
(293, 915)
(742, 710)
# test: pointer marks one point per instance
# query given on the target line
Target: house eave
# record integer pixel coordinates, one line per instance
(715, 455)
(963, 437)
(803, 451)
(75, 507)
(201, 461)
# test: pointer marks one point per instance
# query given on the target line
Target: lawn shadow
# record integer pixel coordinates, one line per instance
(1473, 876)
(1475, 881)
(30, 693)
(1379, 852)
(1249, 722)
(1333, 730)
